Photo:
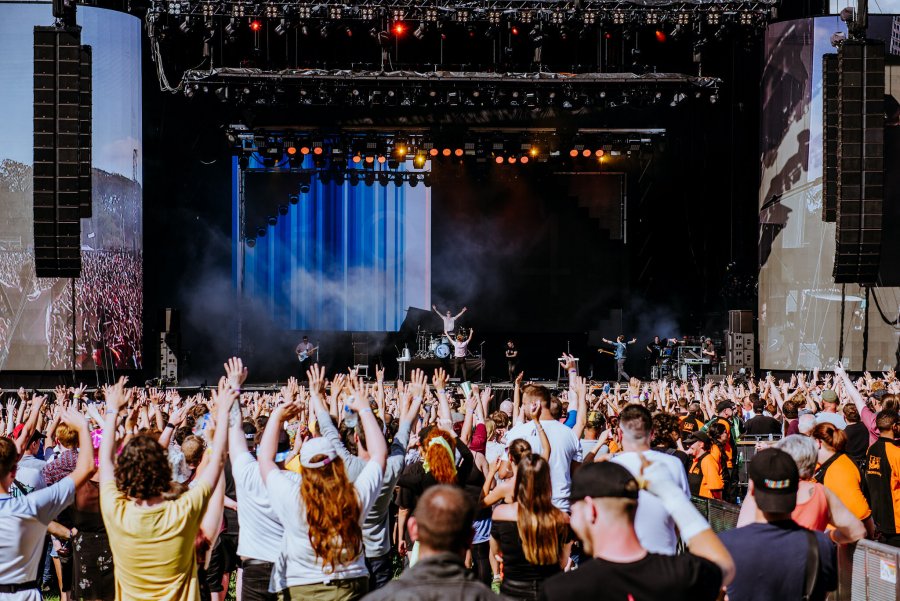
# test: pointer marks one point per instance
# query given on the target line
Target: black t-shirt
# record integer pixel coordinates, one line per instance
(857, 441)
(670, 577)
(771, 562)
(230, 515)
(515, 565)
(761, 425)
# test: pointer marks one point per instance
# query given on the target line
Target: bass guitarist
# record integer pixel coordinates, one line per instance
(304, 352)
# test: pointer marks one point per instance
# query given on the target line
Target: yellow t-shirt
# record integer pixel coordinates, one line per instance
(153, 547)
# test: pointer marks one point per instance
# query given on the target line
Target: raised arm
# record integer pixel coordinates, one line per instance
(471, 333)
(223, 398)
(115, 402)
(375, 443)
(460, 314)
(84, 467)
(37, 403)
(236, 374)
(581, 397)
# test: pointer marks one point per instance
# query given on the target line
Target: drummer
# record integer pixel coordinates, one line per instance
(449, 319)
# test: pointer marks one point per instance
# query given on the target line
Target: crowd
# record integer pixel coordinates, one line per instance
(108, 306)
(345, 489)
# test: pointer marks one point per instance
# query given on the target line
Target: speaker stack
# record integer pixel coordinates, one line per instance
(829, 137)
(62, 142)
(860, 161)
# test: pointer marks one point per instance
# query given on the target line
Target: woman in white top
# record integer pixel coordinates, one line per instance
(321, 552)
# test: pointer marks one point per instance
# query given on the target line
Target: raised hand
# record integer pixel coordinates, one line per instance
(379, 374)
(567, 362)
(115, 396)
(519, 379)
(75, 419)
(316, 376)
(439, 380)
(235, 372)
(417, 383)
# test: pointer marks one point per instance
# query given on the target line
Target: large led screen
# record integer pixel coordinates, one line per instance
(42, 326)
(805, 319)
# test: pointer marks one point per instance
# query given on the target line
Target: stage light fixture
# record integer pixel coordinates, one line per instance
(713, 17)
(458, 152)
(651, 17)
(463, 15)
(714, 98)
(369, 178)
(419, 159)
(511, 160)
(384, 178)
(255, 25)
(413, 181)
(293, 198)
(251, 242)
(525, 17)
(494, 17)
(187, 25)
(499, 160)
(618, 17)
(589, 17)
(283, 210)
(683, 18)
(398, 179)
(557, 17)
(381, 160)
(367, 13)
(304, 11)
(433, 152)
(514, 30)
(282, 27)
(304, 150)
(446, 152)
(573, 153)
(431, 15)
(260, 232)
(323, 31)
(272, 220)
(230, 28)
(398, 28)
(419, 32)
(291, 150)
(335, 12)
(356, 159)
(271, 10)
(524, 160)
(370, 160)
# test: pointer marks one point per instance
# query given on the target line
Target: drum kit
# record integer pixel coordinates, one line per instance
(433, 345)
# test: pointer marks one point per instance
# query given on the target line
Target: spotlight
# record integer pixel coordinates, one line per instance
(499, 160)
(433, 152)
(431, 15)
(573, 153)
(458, 152)
(230, 28)
(446, 152)
(251, 242)
(419, 33)
(426, 180)
(187, 25)
(281, 28)
(294, 198)
(272, 220)
(398, 28)
(398, 179)
(369, 178)
(413, 181)
(714, 98)
(291, 150)
(261, 232)
(384, 178)
(419, 159)
(462, 15)
(524, 159)
(255, 25)
(283, 209)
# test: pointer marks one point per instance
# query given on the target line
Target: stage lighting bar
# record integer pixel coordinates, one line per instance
(593, 12)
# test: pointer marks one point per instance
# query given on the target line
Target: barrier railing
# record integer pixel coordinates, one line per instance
(867, 571)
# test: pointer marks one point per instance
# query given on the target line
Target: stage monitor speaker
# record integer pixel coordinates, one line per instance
(57, 110)
(829, 136)
(860, 171)
(740, 322)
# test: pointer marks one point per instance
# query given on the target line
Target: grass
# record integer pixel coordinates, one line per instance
(230, 596)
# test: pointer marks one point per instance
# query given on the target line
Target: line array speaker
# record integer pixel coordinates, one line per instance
(85, 185)
(860, 174)
(829, 136)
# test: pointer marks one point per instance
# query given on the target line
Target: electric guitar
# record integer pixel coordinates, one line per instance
(603, 350)
(304, 355)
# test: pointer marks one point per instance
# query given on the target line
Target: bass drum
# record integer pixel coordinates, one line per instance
(442, 351)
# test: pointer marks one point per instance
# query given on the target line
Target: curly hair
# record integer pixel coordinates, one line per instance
(142, 468)
(666, 429)
(332, 512)
(442, 465)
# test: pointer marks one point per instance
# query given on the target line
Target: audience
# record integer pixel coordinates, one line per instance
(422, 490)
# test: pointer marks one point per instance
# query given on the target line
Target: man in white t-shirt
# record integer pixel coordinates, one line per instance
(29, 469)
(460, 349)
(24, 519)
(565, 451)
(449, 319)
(655, 527)
(829, 412)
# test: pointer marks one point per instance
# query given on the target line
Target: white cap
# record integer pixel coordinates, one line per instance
(314, 447)
(506, 407)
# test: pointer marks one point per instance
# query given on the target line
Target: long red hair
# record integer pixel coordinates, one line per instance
(441, 464)
(332, 512)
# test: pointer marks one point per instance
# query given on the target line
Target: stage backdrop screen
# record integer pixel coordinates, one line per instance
(343, 258)
(801, 312)
(41, 325)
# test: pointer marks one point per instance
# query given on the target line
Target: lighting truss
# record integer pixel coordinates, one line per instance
(450, 89)
(755, 13)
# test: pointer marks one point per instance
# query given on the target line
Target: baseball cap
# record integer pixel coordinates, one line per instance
(313, 447)
(693, 437)
(723, 405)
(829, 396)
(506, 407)
(604, 479)
(775, 480)
(284, 446)
(35, 436)
(878, 394)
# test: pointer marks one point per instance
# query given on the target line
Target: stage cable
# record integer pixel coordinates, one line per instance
(841, 340)
(893, 323)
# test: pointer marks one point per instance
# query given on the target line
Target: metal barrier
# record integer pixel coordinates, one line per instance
(867, 571)
(721, 515)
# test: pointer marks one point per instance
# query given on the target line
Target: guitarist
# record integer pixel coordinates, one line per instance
(621, 347)
(304, 352)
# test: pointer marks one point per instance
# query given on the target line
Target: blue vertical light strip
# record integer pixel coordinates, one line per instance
(338, 259)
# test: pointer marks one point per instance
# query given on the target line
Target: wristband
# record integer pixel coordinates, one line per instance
(169, 425)
(108, 413)
(369, 409)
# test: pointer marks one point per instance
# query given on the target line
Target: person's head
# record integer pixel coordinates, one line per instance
(718, 433)
(66, 436)
(251, 435)
(886, 421)
(536, 397)
(830, 440)
(193, 448)
(460, 337)
(442, 521)
(656, 340)
(556, 407)
(789, 409)
(506, 407)
(603, 495)
(9, 459)
(620, 338)
(538, 521)
(803, 450)
(666, 430)
(518, 449)
(695, 410)
(595, 423)
(774, 481)
(142, 469)
(759, 406)
(697, 444)
(806, 423)
(890, 402)
(332, 507)
(636, 425)
(725, 409)
(509, 344)
(439, 455)
(305, 339)
(449, 314)
(830, 401)
(851, 414)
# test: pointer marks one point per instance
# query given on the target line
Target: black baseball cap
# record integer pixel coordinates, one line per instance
(604, 479)
(723, 405)
(775, 480)
(695, 436)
